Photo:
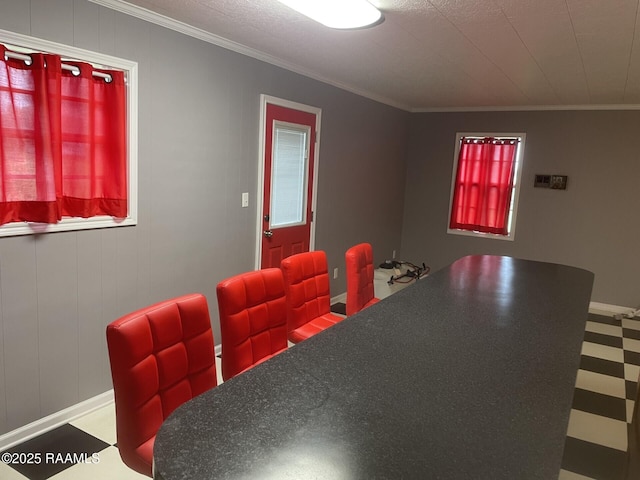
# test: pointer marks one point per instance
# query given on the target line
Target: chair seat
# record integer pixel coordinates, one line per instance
(313, 327)
(306, 280)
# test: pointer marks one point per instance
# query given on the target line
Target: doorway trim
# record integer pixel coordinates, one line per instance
(264, 101)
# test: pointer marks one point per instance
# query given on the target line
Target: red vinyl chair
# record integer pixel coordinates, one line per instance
(359, 271)
(253, 319)
(161, 356)
(306, 281)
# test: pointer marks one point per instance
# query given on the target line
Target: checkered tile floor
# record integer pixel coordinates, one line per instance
(595, 446)
(91, 439)
(603, 400)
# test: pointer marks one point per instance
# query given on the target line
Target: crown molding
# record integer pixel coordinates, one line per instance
(525, 108)
(189, 30)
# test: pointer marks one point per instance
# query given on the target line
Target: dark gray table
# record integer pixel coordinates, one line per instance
(468, 374)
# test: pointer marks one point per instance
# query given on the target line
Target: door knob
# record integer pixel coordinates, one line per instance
(268, 233)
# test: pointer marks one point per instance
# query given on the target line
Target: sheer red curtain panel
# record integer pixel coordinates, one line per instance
(483, 185)
(62, 140)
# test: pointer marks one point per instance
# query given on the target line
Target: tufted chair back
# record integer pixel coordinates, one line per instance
(161, 356)
(306, 280)
(359, 272)
(253, 319)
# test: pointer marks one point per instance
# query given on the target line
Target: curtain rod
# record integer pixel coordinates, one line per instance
(71, 68)
(498, 138)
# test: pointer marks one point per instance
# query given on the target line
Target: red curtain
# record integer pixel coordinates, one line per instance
(483, 185)
(62, 141)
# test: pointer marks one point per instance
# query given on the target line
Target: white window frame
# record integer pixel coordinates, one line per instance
(515, 193)
(27, 44)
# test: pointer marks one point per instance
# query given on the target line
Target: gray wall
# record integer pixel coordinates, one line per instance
(593, 224)
(198, 149)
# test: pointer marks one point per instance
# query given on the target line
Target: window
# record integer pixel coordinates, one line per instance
(289, 175)
(485, 185)
(68, 123)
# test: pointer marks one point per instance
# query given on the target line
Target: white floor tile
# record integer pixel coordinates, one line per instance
(603, 351)
(631, 323)
(110, 467)
(8, 473)
(597, 382)
(566, 475)
(631, 344)
(630, 404)
(219, 370)
(604, 329)
(631, 372)
(381, 287)
(599, 430)
(100, 423)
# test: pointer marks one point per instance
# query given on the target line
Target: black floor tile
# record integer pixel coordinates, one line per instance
(58, 450)
(631, 357)
(634, 321)
(594, 461)
(631, 389)
(599, 365)
(601, 339)
(631, 333)
(604, 319)
(599, 404)
(339, 308)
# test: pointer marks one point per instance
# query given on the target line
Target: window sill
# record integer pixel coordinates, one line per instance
(492, 236)
(65, 225)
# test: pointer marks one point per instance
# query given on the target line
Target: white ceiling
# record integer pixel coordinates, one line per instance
(443, 54)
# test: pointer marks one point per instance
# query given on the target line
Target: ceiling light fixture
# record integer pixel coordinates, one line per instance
(342, 14)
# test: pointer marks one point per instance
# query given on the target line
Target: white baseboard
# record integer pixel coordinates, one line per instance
(342, 298)
(609, 310)
(54, 420)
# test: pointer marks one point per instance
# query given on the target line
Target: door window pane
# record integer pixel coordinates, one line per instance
(288, 176)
